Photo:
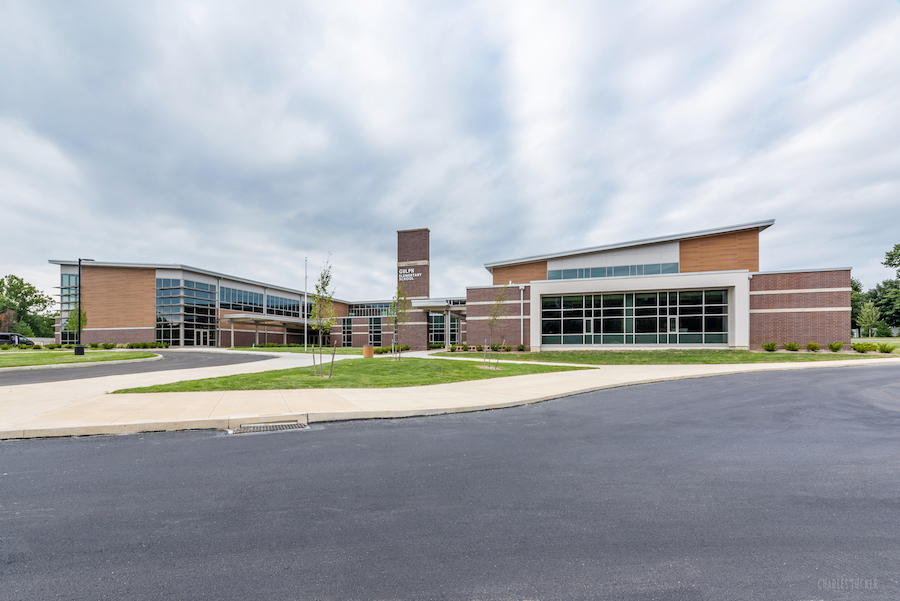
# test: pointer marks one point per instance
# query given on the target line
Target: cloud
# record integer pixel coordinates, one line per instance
(243, 137)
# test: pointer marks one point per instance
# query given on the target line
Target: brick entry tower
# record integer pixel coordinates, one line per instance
(413, 262)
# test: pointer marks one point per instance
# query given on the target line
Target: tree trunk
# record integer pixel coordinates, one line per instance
(333, 351)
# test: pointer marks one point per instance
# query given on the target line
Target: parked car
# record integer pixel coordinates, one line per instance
(13, 339)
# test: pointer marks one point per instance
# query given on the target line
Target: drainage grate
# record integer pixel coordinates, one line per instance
(251, 428)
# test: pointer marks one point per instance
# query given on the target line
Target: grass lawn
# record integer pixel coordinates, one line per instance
(22, 358)
(299, 349)
(672, 356)
(363, 373)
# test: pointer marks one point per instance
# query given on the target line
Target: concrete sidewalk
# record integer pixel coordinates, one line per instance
(83, 407)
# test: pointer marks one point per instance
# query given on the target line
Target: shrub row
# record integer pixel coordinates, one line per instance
(384, 350)
(859, 347)
(93, 345)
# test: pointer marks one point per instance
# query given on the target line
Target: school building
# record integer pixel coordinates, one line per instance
(696, 289)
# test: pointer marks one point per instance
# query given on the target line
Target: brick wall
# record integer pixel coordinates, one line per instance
(723, 252)
(124, 336)
(413, 252)
(520, 274)
(119, 297)
(480, 302)
(812, 306)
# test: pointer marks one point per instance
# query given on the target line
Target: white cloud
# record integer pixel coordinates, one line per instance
(242, 137)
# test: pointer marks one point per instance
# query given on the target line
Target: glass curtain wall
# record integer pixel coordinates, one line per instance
(436, 329)
(169, 316)
(68, 301)
(662, 317)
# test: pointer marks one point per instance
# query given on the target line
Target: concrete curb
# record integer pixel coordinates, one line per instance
(234, 421)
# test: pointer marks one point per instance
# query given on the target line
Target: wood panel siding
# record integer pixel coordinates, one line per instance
(520, 274)
(119, 297)
(724, 252)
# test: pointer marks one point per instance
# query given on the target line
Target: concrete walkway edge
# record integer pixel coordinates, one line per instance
(444, 398)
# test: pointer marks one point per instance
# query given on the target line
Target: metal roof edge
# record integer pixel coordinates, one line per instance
(760, 225)
(180, 267)
(801, 270)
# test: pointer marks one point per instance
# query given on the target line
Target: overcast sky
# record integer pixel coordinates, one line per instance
(242, 137)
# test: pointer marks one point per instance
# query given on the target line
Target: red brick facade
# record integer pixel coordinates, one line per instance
(510, 327)
(788, 307)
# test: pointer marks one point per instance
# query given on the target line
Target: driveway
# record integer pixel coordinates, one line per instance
(769, 485)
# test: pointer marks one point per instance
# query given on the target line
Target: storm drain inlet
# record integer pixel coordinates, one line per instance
(275, 427)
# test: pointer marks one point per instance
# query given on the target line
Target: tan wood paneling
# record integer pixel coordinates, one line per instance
(520, 274)
(119, 297)
(738, 250)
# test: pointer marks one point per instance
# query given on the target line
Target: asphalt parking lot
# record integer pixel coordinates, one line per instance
(773, 485)
(170, 360)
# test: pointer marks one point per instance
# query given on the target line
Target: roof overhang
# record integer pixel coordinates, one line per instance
(756, 225)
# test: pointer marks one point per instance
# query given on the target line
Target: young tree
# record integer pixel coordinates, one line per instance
(398, 316)
(498, 310)
(868, 317)
(72, 322)
(322, 312)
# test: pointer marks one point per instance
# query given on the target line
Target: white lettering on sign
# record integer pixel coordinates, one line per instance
(407, 274)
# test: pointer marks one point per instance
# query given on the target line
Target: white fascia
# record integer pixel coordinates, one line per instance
(737, 283)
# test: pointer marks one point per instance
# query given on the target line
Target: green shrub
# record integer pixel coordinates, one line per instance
(53, 346)
(507, 348)
(884, 347)
(108, 345)
(883, 330)
(70, 345)
(23, 347)
(770, 346)
(863, 347)
(479, 348)
(381, 350)
(813, 347)
(495, 347)
(4, 347)
(404, 347)
(94, 345)
(520, 348)
(835, 346)
(465, 347)
(791, 346)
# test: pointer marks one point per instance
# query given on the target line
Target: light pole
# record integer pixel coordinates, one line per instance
(305, 317)
(79, 350)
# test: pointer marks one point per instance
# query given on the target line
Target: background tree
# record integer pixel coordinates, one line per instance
(30, 306)
(886, 297)
(892, 259)
(868, 317)
(398, 316)
(323, 309)
(857, 298)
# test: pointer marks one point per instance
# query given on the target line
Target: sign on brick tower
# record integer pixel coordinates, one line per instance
(413, 262)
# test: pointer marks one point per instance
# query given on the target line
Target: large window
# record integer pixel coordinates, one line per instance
(612, 272)
(436, 329)
(369, 309)
(68, 301)
(279, 305)
(241, 300)
(169, 316)
(375, 331)
(660, 317)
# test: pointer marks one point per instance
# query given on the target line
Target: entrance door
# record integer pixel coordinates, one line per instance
(201, 337)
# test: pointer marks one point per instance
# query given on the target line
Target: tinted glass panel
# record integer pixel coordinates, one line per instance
(669, 267)
(573, 302)
(598, 272)
(693, 297)
(645, 299)
(570, 274)
(621, 270)
(716, 324)
(645, 325)
(551, 302)
(651, 269)
(716, 297)
(613, 326)
(553, 326)
(555, 274)
(613, 300)
(572, 326)
(690, 324)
